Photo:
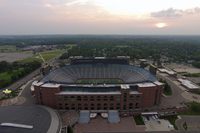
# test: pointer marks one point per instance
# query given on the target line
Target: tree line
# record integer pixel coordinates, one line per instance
(10, 72)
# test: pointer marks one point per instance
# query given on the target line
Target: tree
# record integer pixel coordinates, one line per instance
(69, 129)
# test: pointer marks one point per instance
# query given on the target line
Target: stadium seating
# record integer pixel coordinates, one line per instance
(72, 73)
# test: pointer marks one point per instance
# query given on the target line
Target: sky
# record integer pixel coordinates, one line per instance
(136, 17)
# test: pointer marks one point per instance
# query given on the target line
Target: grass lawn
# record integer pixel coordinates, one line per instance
(193, 109)
(138, 120)
(48, 55)
(7, 48)
(31, 59)
(192, 74)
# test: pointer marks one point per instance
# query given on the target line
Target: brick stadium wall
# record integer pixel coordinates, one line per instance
(46, 96)
(150, 95)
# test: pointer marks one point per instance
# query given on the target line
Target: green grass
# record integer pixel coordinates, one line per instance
(171, 119)
(138, 120)
(193, 109)
(192, 74)
(7, 48)
(31, 59)
(167, 89)
(48, 55)
(6, 77)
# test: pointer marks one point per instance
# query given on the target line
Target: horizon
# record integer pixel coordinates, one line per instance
(54, 34)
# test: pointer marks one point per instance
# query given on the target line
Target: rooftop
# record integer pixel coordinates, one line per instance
(188, 84)
(146, 85)
(37, 83)
(50, 85)
(158, 83)
(125, 87)
(170, 72)
(88, 93)
(35, 116)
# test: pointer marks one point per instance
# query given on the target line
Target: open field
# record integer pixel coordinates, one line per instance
(14, 56)
(7, 48)
(193, 109)
(180, 68)
(47, 55)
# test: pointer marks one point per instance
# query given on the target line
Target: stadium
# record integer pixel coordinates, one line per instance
(98, 84)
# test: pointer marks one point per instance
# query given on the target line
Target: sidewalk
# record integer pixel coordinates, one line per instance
(55, 126)
(13, 101)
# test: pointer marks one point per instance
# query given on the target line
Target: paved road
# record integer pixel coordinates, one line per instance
(26, 93)
(55, 126)
(150, 132)
(176, 98)
(193, 123)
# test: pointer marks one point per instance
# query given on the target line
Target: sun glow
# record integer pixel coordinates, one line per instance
(161, 25)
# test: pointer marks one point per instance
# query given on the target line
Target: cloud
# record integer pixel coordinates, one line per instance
(175, 13)
(75, 2)
(169, 13)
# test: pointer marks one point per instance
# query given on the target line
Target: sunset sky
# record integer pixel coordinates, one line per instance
(137, 17)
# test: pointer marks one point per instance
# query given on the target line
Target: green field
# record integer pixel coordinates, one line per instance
(99, 81)
(7, 48)
(47, 55)
(16, 72)
(192, 74)
(193, 109)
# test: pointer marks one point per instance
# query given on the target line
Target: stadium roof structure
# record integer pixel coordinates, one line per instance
(69, 74)
(28, 119)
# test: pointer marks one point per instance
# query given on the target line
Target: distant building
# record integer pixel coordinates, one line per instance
(143, 63)
(189, 85)
(169, 72)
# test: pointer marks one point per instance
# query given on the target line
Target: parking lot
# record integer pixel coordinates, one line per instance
(153, 123)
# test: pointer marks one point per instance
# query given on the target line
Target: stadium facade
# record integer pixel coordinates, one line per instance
(99, 84)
